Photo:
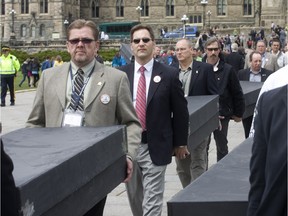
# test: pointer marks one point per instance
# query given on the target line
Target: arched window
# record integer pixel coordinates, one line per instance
(43, 6)
(33, 31)
(119, 8)
(42, 30)
(145, 8)
(23, 29)
(247, 7)
(95, 8)
(24, 6)
(221, 7)
(170, 7)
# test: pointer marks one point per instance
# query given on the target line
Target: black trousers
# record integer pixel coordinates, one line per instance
(7, 82)
(221, 141)
(98, 209)
(247, 122)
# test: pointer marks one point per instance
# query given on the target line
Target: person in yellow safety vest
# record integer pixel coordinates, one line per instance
(9, 65)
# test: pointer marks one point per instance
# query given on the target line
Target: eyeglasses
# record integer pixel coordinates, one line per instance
(145, 40)
(213, 49)
(83, 40)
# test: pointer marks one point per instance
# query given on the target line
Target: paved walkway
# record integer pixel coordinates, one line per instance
(14, 117)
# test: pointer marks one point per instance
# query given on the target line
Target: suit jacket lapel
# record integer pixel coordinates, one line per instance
(98, 81)
(247, 75)
(194, 74)
(130, 75)
(61, 84)
(156, 71)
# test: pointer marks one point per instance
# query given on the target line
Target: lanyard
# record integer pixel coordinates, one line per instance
(74, 95)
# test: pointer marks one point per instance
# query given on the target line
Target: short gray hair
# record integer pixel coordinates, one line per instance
(234, 47)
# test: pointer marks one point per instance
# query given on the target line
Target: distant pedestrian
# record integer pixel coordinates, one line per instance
(58, 61)
(235, 59)
(118, 60)
(24, 69)
(35, 69)
(46, 64)
(9, 66)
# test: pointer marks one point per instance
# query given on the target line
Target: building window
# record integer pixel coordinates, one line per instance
(145, 8)
(43, 6)
(195, 19)
(119, 8)
(33, 31)
(2, 31)
(169, 7)
(2, 7)
(247, 7)
(24, 6)
(95, 8)
(221, 7)
(23, 29)
(42, 30)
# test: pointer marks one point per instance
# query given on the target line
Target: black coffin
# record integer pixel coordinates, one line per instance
(251, 91)
(221, 191)
(203, 118)
(65, 171)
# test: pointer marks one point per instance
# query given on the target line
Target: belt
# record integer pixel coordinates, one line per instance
(144, 137)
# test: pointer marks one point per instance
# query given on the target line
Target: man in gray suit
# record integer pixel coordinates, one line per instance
(269, 61)
(103, 100)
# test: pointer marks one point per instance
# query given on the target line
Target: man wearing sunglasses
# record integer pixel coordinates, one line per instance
(231, 98)
(197, 79)
(162, 110)
(84, 92)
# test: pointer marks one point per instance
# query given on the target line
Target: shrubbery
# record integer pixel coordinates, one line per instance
(107, 55)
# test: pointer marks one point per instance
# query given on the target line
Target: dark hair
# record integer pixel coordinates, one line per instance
(275, 40)
(140, 27)
(265, 43)
(252, 53)
(80, 23)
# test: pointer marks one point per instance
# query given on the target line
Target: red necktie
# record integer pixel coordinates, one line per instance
(141, 98)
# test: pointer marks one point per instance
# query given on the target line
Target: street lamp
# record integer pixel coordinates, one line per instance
(139, 9)
(184, 20)
(66, 23)
(209, 14)
(204, 3)
(12, 13)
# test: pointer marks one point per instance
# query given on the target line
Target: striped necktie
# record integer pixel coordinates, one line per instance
(77, 99)
(141, 98)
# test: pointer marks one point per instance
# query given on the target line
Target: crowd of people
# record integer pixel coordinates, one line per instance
(150, 99)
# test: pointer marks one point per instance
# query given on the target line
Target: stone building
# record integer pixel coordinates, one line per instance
(46, 20)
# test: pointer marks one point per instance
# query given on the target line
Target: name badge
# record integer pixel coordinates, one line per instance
(73, 118)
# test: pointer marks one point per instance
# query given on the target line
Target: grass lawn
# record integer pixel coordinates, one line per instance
(18, 79)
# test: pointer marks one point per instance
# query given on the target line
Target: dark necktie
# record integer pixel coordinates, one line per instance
(141, 98)
(77, 99)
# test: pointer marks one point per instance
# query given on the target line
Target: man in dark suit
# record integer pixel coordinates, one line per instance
(234, 58)
(163, 114)
(253, 74)
(268, 165)
(197, 79)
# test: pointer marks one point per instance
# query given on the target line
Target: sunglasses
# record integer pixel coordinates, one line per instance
(83, 40)
(145, 40)
(212, 49)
